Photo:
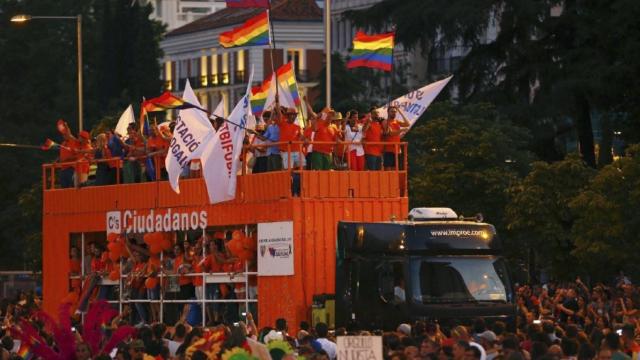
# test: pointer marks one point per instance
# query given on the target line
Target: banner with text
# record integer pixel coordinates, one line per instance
(275, 248)
(221, 156)
(359, 347)
(414, 104)
(192, 130)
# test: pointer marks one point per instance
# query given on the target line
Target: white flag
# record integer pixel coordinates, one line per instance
(414, 104)
(193, 130)
(221, 156)
(125, 119)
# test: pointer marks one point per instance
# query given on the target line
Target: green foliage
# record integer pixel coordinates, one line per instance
(38, 86)
(539, 217)
(466, 158)
(607, 228)
(546, 64)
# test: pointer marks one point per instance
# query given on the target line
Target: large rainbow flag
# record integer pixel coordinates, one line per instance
(253, 32)
(260, 96)
(372, 51)
(287, 80)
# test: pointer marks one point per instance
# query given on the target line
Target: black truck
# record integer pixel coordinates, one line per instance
(433, 266)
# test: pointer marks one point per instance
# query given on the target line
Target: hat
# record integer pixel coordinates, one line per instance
(405, 329)
(137, 344)
(85, 134)
(488, 335)
(338, 116)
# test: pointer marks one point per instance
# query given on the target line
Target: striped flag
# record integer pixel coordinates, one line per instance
(165, 101)
(49, 144)
(372, 51)
(261, 97)
(254, 32)
(248, 3)
(287, 80)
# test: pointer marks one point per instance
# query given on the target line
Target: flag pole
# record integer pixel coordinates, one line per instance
(21, 146)
(272, 39)
(393, 69)
(327, 50)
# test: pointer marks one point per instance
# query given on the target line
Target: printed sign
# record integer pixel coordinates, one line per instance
(359, 347)
(114, 222)
(275, 248)
(155, 220)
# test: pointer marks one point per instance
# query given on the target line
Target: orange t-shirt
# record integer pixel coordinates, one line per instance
(211, 264)
(68, 152)
(394, 125)
(182, 280)
(373, 134)
(158, 143)
(289, 132)
(325, 132)
(195, 263)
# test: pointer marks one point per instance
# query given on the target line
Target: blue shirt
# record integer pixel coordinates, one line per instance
(273, 134)
(115, 146)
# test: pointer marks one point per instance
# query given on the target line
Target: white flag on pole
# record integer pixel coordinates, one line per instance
(125, 119)
(414, 104)
(221, 156)
(193, 130)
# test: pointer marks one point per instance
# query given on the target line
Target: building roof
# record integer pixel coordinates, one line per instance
(281, 10)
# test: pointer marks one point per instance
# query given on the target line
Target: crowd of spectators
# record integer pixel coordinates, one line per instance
(326, 141)
(553, 321)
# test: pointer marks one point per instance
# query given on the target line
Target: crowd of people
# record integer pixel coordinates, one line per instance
(170, 269)
(553, 321)
(327, 141)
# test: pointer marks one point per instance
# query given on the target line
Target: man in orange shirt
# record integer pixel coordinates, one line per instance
(68, 153)
(324, 131)
(85, 153)
(373, 134)
(158, 145)
(393, 129)
(290, 132)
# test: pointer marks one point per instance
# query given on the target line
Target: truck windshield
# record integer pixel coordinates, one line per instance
(459, 279)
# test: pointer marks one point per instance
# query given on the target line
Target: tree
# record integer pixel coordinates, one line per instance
(606, 228)
(38, 86)
(465, 158)
(549, 61)
(539, 216)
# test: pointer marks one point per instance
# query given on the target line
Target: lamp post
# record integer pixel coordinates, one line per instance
(78, 19)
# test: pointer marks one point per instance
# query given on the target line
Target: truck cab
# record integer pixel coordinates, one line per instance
(435, 265)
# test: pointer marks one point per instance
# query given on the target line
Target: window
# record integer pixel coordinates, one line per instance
(459, 279)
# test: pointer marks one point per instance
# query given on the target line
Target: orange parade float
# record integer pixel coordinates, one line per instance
(80, 216)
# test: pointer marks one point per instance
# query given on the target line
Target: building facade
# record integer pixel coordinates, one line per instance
(177, 13)
(217, 74)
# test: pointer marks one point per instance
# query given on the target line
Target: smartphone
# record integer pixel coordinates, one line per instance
(73, 329)
(537, 321)
(244, 314)
(619, 332)
(236, 324)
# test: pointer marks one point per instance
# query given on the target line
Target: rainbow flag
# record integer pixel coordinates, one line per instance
(248, 3)
(372, 51)
(49, 144)
(253, 32)
(165, 101)
(25, 351)
(287, 80)
(259, 96)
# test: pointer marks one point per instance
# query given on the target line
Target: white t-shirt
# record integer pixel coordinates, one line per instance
(354, 136)
(328, 346)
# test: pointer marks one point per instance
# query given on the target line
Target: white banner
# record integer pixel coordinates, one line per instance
(192, 131)
(125, 119)
(414, 104)
(359, 347)
(221, 156)
(275, 248)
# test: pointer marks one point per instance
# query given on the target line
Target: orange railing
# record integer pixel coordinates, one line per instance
(401, 163)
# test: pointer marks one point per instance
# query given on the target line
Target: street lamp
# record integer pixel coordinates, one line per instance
(78, 19)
